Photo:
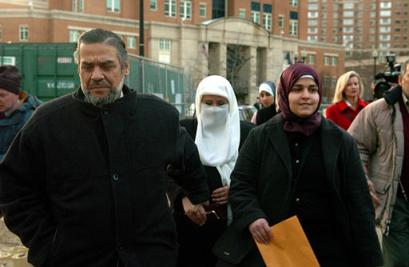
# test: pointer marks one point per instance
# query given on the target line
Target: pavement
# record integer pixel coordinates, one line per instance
(12, 252)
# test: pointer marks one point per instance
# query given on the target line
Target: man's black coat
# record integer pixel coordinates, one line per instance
(86, 186)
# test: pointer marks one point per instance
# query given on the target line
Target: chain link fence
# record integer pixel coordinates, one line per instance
(168, 82)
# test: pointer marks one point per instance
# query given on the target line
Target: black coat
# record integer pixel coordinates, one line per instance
(196, 241)
(86, 186)
(265, 114)
(261, 188)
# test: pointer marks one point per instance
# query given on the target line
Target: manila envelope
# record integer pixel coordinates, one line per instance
(289, 246)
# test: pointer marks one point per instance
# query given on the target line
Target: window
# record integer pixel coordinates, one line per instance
(113, 5)
(255, 16)
(170, 8)
(326, 60)
(202, 10)
(267, 21)
(348, 29)
(385, 13)
(294, 3)
(267, 16)
(74, 35)
(312, 30)
(255, 12)
(153, 4)
(77, 5)
(348, 22)
(312, 6)
(164, 44)
(312, 38)
(385, 5)
(384, 29)
(348, 13)
(293, 27)
(312, 22)
(281, 22)
(348, 5)
(164, 50)
(23, 32)
(311, 59)
(348, 37)
(334, 61)
(313, 14)
(385, 21)
(242, 13)
(385, 37)
(186, 9)
(131, 42)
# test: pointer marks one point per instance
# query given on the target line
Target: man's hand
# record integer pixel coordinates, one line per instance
(375, 200)
(220, 195)
(261, 231)
(196, 213)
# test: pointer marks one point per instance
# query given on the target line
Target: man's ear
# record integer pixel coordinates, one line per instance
(126, 68)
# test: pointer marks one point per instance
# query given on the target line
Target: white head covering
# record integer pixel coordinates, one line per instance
(218, 146)
(266, 88)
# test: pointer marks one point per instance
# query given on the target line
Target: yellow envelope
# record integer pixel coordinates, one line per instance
(289, 246)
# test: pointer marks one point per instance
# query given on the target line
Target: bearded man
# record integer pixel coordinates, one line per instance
(84, 182)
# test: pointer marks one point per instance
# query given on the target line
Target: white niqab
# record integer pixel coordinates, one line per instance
(218, 130)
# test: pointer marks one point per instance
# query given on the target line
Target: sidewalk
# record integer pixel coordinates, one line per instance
(12, 252)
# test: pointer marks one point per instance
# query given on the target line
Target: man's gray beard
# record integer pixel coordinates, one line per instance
(113, 95)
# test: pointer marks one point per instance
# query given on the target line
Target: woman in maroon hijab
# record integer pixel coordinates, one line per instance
(300, 164)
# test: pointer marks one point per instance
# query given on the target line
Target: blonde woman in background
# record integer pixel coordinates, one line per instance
(347, 102)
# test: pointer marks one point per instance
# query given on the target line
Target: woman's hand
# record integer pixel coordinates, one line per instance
(261, 231)
(196, 213)
(220, 195)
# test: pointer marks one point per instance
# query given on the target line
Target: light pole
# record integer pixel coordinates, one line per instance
(141, 45)
(375, 57)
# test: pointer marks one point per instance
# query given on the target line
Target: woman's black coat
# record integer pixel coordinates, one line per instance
(261, 188)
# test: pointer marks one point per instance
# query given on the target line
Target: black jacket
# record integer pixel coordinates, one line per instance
(265, 114)
(86, 186)
(261, 188)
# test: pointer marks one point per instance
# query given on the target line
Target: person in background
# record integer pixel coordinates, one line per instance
(16, 106)
(381, 131)
(299, 163)
(267, 100)
(84, 182)
(218, 134)
(347, 102)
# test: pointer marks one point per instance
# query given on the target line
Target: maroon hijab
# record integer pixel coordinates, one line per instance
(289, 77)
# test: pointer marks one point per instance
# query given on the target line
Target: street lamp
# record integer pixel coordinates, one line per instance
(375, 57)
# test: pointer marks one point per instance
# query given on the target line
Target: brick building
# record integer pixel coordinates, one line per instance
(246, 41)
(363, 27)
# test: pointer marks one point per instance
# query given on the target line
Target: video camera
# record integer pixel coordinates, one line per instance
(385, 80)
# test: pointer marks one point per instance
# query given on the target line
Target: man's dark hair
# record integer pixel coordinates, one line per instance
(96, 36)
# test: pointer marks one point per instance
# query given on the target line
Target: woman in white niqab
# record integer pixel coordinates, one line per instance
(218, 129)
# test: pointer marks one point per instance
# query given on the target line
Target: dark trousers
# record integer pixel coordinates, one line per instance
(396, 244)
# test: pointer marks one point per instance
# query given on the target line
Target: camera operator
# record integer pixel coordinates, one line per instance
(388, 79)
(381, 131)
